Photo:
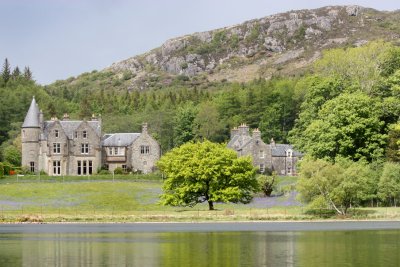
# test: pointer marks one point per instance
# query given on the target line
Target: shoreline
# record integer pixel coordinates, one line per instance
(220, 226)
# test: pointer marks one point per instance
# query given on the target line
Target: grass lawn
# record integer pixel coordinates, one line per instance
(130, 199)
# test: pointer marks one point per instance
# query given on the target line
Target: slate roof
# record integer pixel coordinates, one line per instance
(32, 117)
(242, 140)
(279, 150)
(69, 127)
(119, 139)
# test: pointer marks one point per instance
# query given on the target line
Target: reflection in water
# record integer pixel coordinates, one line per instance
(334, 248)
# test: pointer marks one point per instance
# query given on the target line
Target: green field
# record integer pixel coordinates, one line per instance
(130, 199)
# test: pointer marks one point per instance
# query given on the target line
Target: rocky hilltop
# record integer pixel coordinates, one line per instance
(282, 44)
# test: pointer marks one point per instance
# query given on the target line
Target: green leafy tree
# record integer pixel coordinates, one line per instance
(1, 170)
(12, 155)
(206, 172)
(184, 124)
(207, 122)
(393, 149)
(347, 126)
(323, 184)
(267, 183)
(389, 183)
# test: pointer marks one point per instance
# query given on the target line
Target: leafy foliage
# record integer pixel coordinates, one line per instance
(267, 183)
(199, 172)
(389, 183)
(326, 185)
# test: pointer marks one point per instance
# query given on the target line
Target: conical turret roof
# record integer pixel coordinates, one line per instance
(32, 117)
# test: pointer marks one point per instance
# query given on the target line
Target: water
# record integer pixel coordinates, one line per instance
(23, 246)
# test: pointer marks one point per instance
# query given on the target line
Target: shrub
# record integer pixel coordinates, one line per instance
(1, 169)
(7, 168)
(103, 172)
(118, 170)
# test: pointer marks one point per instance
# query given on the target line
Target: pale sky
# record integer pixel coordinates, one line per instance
(63, 38)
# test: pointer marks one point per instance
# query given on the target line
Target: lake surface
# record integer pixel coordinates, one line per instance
(202, 244)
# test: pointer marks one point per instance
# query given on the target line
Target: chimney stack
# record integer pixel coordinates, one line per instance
(144, 127)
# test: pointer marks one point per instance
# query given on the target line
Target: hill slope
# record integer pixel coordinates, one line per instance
(282, 44)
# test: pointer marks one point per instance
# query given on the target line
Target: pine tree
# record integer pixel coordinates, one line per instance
(27, 74)
(6, 72)
(16, 73)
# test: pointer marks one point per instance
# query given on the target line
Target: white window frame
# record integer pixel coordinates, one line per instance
(144, 149)
(56, 148)
(56, 133)
(262, 154)
(56, 167)
(262, 168)
(85, 148)
(84, 134)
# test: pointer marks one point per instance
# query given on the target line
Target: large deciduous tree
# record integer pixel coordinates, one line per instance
(347, 126)
(323, 184)
(206, 172)
(389, 183)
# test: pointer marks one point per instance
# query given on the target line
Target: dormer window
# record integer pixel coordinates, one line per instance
(289, 153)
(84, 134)
(56, 133)
(76, 134)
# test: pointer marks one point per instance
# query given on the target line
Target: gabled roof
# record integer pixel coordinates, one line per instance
(239, 141)
(70, 127)
(279, 150)
(32, 117)
(120, 139)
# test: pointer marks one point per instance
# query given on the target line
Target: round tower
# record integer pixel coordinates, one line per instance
(30, 134)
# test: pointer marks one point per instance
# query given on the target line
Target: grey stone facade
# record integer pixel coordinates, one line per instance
(131, 151)
(281, 158)
(70, 147)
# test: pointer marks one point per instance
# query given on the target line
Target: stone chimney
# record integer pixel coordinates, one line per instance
(66, 117)
(244, 129)
(144, 127)
(234, 132)
(94, 118)
(272, 142)
(256, 134)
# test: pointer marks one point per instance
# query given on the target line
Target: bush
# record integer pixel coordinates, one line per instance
(118, 170)
(1, 169)
(103, 172)
(7, 168)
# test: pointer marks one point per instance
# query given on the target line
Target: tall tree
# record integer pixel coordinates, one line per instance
(16, 73)
(206, 172)
(347, 126)
(184, 124)
(6, 71)
(28, 74)
(338, 186)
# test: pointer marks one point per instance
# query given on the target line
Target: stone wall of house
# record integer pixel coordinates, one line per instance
(30, 147)
(145, 162)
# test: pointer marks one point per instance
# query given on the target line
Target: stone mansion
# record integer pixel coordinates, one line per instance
(72, 147)
(281, 158)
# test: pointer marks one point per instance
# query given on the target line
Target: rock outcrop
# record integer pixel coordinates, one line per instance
(267, 42)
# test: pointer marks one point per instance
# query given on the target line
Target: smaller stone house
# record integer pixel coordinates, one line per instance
(281, 158)
(131, 151)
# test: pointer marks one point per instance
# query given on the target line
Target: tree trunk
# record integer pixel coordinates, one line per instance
(210, 205)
